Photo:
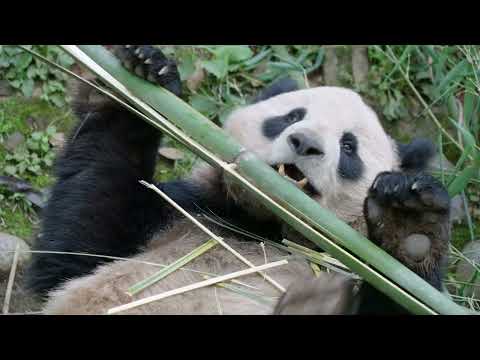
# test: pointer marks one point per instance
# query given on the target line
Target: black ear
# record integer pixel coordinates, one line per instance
(281, 86)
(416, 155)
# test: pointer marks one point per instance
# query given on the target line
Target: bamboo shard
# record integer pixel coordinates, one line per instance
(292, 205)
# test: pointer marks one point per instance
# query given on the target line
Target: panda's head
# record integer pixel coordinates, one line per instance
(326, 139)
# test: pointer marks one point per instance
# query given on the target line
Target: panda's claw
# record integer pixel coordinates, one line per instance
(151, 64)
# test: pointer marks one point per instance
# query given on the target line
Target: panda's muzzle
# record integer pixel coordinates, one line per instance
(305, 145)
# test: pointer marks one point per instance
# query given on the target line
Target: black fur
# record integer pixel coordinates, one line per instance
(149, 63)
(415, 156)
(350, 166)
(281, 86)
(97, 204)
(274, 126)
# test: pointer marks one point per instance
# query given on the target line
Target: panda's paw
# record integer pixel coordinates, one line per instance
(408, 216)
(421, 192)
(329, 294)
(151, 64)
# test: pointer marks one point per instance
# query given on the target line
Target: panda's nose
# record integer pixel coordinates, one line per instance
(304, 145)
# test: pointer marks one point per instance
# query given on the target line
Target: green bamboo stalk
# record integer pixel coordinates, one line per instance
(177, 264)
(383, 272)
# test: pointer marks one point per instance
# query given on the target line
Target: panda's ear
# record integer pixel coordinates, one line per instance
(416, 155)
(281, 86)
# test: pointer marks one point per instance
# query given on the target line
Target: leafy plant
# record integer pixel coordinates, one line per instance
(233, 73)
(26, 73)
(15, 202)
(32, 157)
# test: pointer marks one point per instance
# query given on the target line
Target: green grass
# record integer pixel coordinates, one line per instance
(18, 223)
(18, 218)
(18, 109)
(461, 235)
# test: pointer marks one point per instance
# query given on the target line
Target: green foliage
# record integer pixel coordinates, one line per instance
(25, 73)
(6, 127)
(33, 157)
(233, 73)
(17, 215)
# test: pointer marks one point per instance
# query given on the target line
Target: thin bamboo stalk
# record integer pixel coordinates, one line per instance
(385, 273)
(11, 280)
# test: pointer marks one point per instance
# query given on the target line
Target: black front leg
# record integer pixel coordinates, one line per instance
(408, 216)
(97, 205)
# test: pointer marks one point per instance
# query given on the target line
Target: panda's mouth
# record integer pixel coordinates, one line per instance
(292, 173)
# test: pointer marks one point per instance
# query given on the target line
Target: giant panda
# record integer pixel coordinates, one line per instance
(326, 140)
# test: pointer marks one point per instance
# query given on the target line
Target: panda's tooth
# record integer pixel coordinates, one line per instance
(302, 183)
(414, 186)
(281, 169)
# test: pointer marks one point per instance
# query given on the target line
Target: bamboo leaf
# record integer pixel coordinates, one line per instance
(142, 285)
(469, 104)
(468, 138)
(461, 180)
(456, 74)
(402, 58)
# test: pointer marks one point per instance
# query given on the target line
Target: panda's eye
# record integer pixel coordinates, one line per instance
(350, 165)
(348, 143)
(296, 115)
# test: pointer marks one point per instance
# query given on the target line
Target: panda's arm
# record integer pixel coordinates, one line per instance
(97, 204)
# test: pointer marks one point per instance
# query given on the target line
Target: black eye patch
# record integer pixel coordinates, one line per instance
(274, 126)
(350, 165)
